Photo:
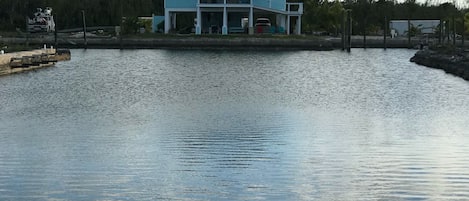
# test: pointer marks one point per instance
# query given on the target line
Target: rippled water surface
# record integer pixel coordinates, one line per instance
(233, 125)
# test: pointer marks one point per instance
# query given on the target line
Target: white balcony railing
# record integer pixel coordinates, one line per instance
(291, 8)
(295, 8)
(224, 1)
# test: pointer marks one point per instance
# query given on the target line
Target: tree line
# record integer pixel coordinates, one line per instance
(67, 13)
(319, 15)
(369, 15)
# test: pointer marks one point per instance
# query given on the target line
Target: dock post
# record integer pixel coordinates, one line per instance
(84, 29)
(167, 24)
(408, 34)
(346, 24)
(447, 31)
(463, 31)
(343, 30)
(349, 31)
(364, 33)
(440, 34)
(454, 31)
(121, 34)
(385, 32)
(27, 39)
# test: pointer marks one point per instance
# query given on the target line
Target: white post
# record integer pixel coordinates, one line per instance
(198, 27)
(288, 25)
(251, 20)
(167, 22)
(224, 29)
(174, 20)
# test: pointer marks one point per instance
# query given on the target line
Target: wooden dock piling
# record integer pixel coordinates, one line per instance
(343, 30)
(349, 30)
(385, 32)
(454, 31)
(409, 35)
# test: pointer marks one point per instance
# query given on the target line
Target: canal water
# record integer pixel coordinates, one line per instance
(234, 125)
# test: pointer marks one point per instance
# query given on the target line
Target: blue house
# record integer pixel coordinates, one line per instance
(236, 16)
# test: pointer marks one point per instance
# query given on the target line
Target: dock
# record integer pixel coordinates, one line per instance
(30, 60)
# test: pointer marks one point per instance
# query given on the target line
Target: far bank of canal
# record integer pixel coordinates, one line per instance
(265, 42)
(217, 42)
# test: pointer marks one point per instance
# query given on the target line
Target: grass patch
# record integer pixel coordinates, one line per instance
(444, 48)
(219, 36)
(8, 34)
(9, 48)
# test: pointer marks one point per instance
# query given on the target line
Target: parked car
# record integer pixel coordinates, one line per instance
(263, 25)
(263, 22)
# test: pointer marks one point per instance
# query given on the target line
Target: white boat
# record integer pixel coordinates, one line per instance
(43, 21)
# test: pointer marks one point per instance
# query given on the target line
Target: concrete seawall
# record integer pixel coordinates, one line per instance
(181, 42)
(218, 42)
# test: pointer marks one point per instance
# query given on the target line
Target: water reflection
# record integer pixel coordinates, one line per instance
(143, 125)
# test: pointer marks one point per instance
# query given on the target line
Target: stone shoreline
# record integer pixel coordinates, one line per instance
(455, 62)
(22, 61)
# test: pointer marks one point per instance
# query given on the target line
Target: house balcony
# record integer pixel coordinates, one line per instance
(245, 2)
(270, 5)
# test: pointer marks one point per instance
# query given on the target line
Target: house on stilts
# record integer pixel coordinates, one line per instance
(236, 16)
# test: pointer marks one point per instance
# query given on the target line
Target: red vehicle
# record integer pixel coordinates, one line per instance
(263, 25)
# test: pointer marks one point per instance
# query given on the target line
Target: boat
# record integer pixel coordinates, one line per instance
(42, 21)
